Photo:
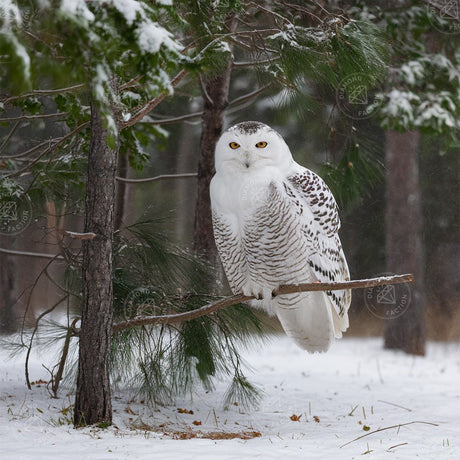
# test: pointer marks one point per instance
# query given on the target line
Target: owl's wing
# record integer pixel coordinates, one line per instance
(320, 227)
(230, 250)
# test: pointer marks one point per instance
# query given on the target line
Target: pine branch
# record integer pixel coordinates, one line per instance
(238, 298)
(58, 143)
(147, 108)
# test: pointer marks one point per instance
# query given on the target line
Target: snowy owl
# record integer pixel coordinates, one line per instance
(276, 222)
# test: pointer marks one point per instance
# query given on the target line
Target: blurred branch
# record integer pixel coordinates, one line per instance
(43, 92)
(156, 178)
(30, 254)
(56, 144)
(191, 116)
(238, 298)
(33, 117)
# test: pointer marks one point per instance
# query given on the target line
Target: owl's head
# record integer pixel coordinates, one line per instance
(251, 146)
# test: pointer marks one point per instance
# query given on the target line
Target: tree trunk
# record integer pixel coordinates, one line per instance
(121, 190)
(215, 97)
(404, 251)
(8, 316)
(93, 401)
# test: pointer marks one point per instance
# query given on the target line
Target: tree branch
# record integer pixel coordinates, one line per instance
(61, 141)
(238, 298)
(30, 254)
(147, 108)
(44, 92)
(34, 117)
(156, 178)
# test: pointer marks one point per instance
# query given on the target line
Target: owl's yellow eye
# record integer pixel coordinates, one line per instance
(261, 144)
(234, 145)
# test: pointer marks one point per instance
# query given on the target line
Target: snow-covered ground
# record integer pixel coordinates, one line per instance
(356, 399)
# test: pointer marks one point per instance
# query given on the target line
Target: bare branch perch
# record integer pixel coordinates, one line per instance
(156, 178)
(238, 298)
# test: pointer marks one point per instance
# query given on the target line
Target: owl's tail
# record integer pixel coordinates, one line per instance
(310, 319)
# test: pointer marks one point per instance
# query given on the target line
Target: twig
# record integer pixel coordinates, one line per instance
(30, 254)
(238, 298)
(49, 149)
(34, 117)
(44, 92)
(9, 136)
(395, 405)
(65, 351)
(29, 348)
(191, 116)
(387, 428)
(31, 150)
(156, 178)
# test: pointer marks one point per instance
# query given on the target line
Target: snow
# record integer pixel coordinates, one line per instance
(151, 37)
(9, 13)
(336, 397)
(76, 8)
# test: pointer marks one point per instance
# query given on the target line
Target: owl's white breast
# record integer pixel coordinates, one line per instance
(238, 196)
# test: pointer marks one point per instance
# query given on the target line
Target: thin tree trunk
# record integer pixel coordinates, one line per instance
(121, 190)
(93, 401)
(8, 316)
(404, 251)
(215, 96)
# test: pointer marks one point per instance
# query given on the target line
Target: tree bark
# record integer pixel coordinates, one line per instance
(404, 250)
(8, 316)
(215, 96)
(93, 401)
(121, 190)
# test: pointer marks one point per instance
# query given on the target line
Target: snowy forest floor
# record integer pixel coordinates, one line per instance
(314, 406)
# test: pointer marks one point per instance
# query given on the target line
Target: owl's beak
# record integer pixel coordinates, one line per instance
(246, 161)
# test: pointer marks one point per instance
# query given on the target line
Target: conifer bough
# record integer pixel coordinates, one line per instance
(238, 298)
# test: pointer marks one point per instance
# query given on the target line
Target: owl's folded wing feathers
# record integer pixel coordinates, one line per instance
(320, 226)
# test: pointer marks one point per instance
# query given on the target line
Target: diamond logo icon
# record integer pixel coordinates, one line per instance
(9, 210)
(450, 10)
(358, 95)
(387, 295)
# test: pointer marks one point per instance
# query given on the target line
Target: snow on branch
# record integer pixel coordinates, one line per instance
(238, 298)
